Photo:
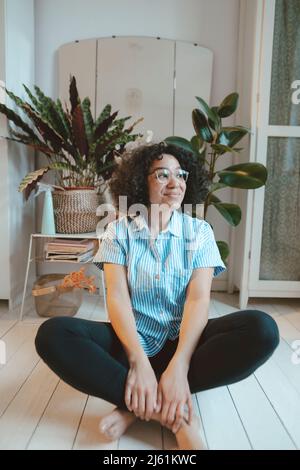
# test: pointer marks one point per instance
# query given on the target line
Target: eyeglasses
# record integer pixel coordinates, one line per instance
(163, 175)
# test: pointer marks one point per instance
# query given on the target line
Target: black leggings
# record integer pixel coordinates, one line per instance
(89, 356)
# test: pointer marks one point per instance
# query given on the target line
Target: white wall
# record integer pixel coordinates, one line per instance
(4, 233)
(17, 216)
(211, 23)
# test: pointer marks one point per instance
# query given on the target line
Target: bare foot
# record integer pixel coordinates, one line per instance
(188, 436)
(113, 425)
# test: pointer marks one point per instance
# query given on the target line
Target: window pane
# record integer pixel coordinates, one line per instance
(280, 256)
(285, 64)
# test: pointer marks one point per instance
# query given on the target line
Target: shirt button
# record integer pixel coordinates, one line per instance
(157, 276)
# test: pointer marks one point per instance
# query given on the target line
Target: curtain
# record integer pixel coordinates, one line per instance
(280, 255)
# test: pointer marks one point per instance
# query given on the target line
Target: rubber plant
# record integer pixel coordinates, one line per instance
(212, 141)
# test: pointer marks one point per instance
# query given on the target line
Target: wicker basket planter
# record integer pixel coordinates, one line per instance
(75, 210)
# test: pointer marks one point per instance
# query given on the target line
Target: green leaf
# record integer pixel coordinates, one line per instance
(88, 119)
(201, 126)
(215, 109)
(49, 112)
(33, 99)
(181, 142)
(199, 143)
(221, 149)
(17, 120)
(63, 166)
(228, 105)
(104, 125)
(224, 250)
(244, 175)
(213, 198)
(30, 181)
(216, 186)
(213, 117)
(231, 212)
(121, 121)
(32, 143)
(79, 131)
(64, 119)
(231, 135)
(104, 115)
(18, 101)
(46, 131)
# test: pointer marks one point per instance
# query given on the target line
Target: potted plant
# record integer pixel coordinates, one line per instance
(212, 140)
(80, 151)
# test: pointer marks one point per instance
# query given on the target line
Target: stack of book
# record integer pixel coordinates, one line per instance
(71, 250)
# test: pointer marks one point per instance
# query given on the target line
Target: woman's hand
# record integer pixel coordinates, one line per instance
(141, 389)
(174, 395)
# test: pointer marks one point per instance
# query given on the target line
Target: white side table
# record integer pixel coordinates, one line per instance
(35, 236)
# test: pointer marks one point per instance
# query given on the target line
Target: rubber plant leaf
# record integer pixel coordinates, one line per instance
(244, 175)
(201, 125)
(181, 142)
(228, 105)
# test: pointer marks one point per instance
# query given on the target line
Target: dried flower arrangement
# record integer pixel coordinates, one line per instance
(78, 279)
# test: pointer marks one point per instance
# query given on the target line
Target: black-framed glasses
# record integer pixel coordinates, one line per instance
(163, 175)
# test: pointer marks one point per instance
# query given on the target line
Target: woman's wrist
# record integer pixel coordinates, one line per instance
(137, 357)
(181, 360)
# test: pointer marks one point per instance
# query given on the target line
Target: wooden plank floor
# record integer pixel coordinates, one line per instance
(38, 411)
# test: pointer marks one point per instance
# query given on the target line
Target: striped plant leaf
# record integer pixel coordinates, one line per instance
(104, 115)
(74, 97)
(48, 111)
(70, 138)
(17, 120)
(64, 118)
(18, 101)
(104, 125)
(88, 119)
(34, 144)
(49, 134)
(63, 166)
(33, 99)
(29, 183)
(78, 128)
(46, 131)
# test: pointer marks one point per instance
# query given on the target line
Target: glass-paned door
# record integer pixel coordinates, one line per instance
(280, 248)
(284, 111)
(275, 260)
(280, 255)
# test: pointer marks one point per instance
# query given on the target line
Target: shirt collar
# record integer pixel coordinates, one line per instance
(174, 226)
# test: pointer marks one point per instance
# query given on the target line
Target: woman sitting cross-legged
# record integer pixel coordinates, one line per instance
(159, 346)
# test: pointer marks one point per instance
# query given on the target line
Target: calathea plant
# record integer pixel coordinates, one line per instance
(79, 149)
(213, 140)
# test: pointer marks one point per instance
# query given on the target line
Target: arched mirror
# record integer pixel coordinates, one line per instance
(153, 78)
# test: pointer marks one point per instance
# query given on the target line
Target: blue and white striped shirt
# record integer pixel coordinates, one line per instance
(159, 270)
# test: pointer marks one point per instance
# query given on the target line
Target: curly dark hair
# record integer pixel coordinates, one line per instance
(130, 176)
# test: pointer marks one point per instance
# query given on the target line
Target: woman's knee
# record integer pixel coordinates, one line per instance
(50, 332)
(264, 331)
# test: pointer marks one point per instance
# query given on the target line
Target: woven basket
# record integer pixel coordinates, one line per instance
(53, 300)
(75, 210)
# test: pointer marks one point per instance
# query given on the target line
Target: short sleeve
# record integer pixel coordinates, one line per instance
(112, 248)
(206, 253)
